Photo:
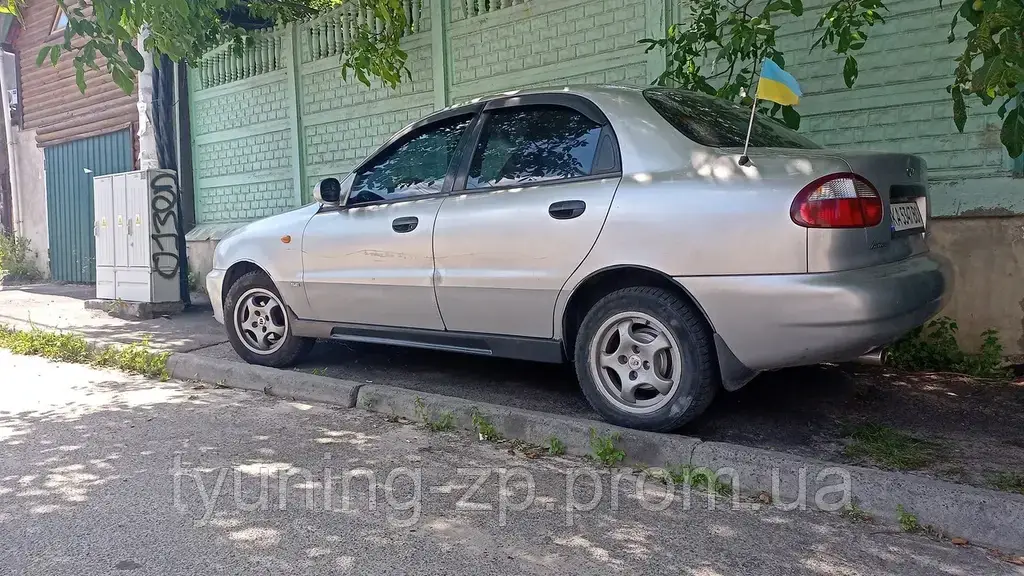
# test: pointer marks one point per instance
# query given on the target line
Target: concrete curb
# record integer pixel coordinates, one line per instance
(527, 425)
(294, 385)
(985, 517)
(981, 516)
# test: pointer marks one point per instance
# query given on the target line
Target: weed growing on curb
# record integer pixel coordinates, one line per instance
(889, 447)
(934, 347)
(1009, 482)
(443, 423)
(908, 522)
(555, 446)
(485, 429)
(319, 371)
(135, 358)
(854, 513)
(602, 448)
(698, 477)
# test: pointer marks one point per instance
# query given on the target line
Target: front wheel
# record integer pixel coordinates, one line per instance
(258, 326)
(644, 360)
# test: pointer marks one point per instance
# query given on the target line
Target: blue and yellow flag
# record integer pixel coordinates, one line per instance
(777, 85)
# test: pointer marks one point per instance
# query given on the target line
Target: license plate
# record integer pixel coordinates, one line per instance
(906, 216)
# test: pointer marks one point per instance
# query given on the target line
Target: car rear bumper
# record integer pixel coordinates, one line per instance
(214, 288)
(770, 322)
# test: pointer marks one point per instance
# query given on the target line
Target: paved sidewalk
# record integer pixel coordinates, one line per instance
(61, 307)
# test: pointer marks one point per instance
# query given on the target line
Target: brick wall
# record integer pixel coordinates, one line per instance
(900, 104)
(243, 155)
(343, 122)
(252, 121)
(536, 43)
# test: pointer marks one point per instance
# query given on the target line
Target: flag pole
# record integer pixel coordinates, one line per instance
(744, 159)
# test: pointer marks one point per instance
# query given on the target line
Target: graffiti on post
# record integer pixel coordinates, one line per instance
(164, 209)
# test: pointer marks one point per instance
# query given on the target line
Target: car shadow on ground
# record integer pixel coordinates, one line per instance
(977, 427)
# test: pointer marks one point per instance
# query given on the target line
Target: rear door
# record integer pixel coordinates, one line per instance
(527, 207)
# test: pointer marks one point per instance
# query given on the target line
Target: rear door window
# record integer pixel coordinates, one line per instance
(719, 123)
(531, 144)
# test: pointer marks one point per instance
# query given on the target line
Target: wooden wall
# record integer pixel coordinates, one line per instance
(51, 103)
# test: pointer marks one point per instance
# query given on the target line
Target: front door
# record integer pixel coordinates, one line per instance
(371, 261)
(532, 203)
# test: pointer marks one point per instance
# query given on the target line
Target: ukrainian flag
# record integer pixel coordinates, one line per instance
(777, 85)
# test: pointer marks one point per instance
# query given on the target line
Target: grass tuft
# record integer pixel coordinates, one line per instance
(908, 521)
(485, 428)
(700, 478)
(890, 448)
(136, 358)
(555, 446)
(602, 448)
(1009, 482)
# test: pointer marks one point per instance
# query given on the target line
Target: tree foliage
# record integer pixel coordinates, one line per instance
(717, 49)
(996, 39)
(103, 33)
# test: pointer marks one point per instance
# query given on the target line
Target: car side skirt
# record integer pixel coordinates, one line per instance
(514, 347)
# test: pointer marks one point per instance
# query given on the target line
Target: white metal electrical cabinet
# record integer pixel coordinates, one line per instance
(137, 232)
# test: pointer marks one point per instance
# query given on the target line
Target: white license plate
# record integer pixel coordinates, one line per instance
(906, 216)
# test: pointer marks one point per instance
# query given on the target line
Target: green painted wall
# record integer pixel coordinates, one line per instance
(269, 125)
(900, 104)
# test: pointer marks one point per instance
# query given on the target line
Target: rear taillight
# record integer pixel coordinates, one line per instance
(843, 200)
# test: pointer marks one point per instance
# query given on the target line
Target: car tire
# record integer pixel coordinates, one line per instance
(659, 346)
(253, 331)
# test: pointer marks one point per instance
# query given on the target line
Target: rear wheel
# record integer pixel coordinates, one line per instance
(258, 326)
(644, 359)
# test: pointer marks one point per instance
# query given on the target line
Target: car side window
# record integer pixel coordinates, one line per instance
(532, 144)
(414, 166)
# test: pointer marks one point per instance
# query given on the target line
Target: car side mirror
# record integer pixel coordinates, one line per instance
(328, 191)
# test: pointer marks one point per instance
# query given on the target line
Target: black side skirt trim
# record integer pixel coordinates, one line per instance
(520, 348)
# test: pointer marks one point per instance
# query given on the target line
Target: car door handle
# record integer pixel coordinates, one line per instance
(567, 210)
(406, 224)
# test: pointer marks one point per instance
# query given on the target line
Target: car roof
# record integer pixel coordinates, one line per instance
(589, 91)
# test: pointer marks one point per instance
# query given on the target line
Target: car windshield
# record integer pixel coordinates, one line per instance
(719, 123)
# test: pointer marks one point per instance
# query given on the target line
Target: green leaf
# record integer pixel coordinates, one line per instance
(791, 117)
(959, 109)
(850, 71)
(44, 53)
(797, 8)
(1012, 134)
(80, 75)
(133, 57)
(125, 82)
(54, 55)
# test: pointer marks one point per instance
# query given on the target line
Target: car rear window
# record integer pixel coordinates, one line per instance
(719, 123)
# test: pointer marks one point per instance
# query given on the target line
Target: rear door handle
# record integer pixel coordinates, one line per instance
(405, 225)
(567, 210)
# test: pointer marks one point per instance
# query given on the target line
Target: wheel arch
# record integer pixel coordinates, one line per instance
(607, 280)
(236, 271)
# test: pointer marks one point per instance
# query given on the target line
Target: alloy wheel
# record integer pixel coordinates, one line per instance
(636, 362)
(260, 321)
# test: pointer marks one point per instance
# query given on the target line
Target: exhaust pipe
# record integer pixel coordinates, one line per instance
(876, 357)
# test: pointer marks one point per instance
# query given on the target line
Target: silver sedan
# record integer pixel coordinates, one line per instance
(612, 227)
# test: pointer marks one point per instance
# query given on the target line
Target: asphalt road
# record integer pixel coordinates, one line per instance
(106, 474)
